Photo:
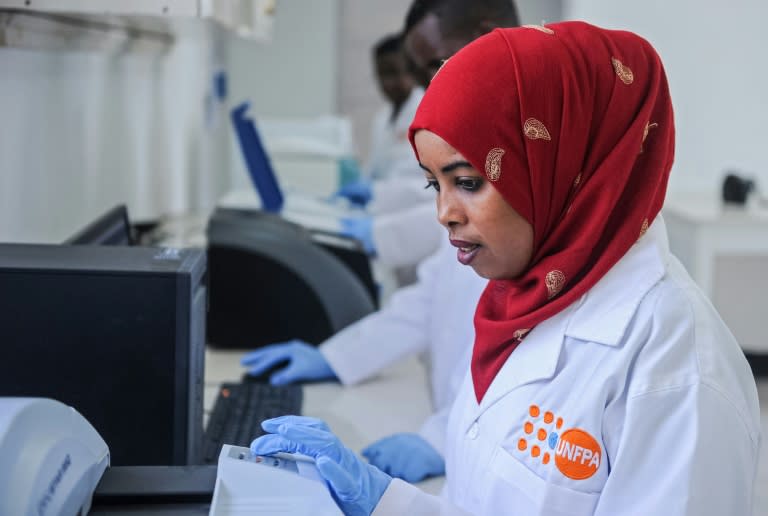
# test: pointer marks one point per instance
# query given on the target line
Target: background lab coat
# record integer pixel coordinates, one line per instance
(433, 316)
(390, 153)
(642, 363)
(406, 237)
(405, 228)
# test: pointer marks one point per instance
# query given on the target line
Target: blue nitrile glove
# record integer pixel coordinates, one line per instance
(305, 362)
(360, 228)
(407, 456)
(356, 486)
(358, 192)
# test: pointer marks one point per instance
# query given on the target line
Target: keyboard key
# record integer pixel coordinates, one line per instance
(239, 410)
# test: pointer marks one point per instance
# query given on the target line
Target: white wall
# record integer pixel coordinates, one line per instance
(82, 131)
(714, 54)
(293, 75)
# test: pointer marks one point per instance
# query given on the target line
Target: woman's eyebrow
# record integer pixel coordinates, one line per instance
(447, 169)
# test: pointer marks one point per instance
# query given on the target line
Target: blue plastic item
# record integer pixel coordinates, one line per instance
(220, 87)
(349, 171)
(256, 160)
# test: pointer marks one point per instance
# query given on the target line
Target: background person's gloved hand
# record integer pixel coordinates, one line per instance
(305, 362)
(356, 486)
(360, 228)
(406, 455)
(358, 192)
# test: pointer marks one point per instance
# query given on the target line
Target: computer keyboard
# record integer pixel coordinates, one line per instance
(239, 410)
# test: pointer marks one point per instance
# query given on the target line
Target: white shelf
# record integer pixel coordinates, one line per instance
(725, 249)
(101, 23)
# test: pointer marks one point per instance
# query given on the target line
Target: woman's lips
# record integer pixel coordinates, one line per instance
(466, 251)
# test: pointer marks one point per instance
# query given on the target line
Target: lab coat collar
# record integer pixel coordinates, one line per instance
(534, 359)
(604, 313)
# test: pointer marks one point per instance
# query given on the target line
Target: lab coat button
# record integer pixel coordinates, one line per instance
(473, 430)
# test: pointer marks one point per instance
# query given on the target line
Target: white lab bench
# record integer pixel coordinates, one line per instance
(725, 249)
(395, 401)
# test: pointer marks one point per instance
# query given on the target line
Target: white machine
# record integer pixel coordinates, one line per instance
(248, 485)
(51, 458)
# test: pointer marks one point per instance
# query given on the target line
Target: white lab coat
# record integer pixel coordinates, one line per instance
(643, 364)
(390, 151)
(406, 237)
(433, 316)
(405, 229)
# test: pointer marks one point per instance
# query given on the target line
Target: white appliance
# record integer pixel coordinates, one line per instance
(51, 458)
(285, 484)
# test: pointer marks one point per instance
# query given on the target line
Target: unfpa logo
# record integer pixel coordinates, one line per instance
(576, 453)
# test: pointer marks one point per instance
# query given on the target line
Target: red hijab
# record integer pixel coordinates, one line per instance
(572, 124)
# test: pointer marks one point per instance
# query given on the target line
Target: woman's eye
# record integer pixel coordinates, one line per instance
(432, 183)
(471, 184)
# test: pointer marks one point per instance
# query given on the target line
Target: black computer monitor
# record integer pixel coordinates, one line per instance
(110, 228)
(118, 333)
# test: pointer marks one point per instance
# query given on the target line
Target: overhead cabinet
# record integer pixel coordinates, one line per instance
(43, 22)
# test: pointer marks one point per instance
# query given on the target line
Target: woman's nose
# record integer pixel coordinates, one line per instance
(449, 210)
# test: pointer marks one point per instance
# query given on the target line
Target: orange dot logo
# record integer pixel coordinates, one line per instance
(577, 455)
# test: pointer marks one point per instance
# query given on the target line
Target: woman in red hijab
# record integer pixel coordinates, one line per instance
(602, 381)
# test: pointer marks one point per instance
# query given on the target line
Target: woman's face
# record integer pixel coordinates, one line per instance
(490, 236)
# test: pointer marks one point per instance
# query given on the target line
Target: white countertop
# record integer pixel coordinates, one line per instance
(710, 208)
(395, 401)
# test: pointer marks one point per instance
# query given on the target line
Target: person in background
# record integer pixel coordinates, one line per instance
(388, 175)
(390, 154)
(401, 231)
(602, 381)
(425, 318)
(437, 29)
